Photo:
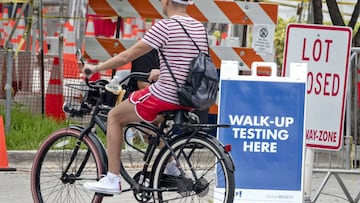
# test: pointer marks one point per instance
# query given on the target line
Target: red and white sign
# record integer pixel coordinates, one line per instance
(326, 50)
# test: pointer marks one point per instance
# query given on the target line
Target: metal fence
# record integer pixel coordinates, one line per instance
(28, 79)
(25, 80)
(346, 160)
(349, 155)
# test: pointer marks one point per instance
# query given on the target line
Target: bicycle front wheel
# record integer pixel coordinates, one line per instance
(49, 180)
(208, 177)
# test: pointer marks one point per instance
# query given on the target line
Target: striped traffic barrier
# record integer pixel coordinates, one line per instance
(217, 11)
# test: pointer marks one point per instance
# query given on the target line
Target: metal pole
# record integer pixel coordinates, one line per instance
(309, 163)
(61, 34)
(355, 65)
(8, 86)
(41, 57)
(348, 120)
(28, 26)
(310, 12)
(301, 8)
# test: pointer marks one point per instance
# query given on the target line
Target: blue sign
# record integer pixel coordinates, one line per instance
(267, 137)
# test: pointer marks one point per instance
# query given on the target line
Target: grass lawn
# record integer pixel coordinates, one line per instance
(28, 130)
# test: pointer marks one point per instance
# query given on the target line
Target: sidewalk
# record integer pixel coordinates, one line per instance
(332, 191)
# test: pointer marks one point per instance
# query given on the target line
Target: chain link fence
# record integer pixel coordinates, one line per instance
(30, 77)
(348, 157)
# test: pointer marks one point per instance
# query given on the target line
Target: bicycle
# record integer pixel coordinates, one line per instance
(75, 154)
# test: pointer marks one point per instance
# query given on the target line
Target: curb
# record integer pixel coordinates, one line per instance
(24, 158)
(21, 159)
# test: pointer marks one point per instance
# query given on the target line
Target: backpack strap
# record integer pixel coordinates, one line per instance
(190, 36)
(167, 63)
(168, 66)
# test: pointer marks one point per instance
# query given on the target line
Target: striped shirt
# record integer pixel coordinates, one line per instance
(178, 49)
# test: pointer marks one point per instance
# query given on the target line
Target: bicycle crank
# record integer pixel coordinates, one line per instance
(143, 196)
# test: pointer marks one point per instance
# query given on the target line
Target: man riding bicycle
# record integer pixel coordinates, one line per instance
(145, 104)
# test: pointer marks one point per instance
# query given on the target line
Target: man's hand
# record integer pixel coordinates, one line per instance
(154, 75)
(88, 70)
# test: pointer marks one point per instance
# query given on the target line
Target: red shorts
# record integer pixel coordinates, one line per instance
(147, 106)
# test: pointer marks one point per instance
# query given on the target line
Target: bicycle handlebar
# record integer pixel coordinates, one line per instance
(95, 86)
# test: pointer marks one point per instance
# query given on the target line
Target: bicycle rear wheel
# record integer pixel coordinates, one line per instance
(205, 167)
(49, 182)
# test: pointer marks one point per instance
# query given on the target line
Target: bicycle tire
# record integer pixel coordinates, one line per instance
(50, 161)
(205, 157)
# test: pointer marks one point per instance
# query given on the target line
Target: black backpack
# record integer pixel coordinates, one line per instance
(202, 83)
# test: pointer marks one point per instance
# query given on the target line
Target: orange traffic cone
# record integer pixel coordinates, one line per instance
(45, 34)
(21, 30)
(38, 43)
(141, 26)
(5, 24)
(2, 33)
(4, 163)
(69, 35)
(127, 29)
(90, 29)
(54, 94)
(134, 28)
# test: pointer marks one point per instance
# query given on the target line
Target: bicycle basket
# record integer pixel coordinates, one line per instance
(80, 95)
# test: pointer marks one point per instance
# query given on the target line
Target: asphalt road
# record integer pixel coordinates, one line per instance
(15, 185)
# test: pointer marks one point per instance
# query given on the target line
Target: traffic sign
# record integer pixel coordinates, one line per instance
(326, 50)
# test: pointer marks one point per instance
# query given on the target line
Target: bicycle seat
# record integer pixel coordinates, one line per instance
(180, 116)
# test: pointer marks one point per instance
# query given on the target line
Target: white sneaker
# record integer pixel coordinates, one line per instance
(105, 186)
(172, 169)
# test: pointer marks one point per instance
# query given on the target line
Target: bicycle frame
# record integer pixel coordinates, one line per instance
(182, 160)
(95, 120)
(98, 118)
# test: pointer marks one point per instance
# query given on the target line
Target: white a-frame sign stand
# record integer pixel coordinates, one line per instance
(267, 117)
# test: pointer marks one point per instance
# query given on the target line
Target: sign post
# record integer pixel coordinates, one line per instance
(266, 115)
(326, 50)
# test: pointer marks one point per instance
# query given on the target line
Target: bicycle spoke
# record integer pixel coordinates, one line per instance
(56, 185)
(203, 167)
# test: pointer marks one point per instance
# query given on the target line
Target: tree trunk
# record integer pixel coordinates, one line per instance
(356, 39)
(335, 13)
(355, 15)
(317, 11)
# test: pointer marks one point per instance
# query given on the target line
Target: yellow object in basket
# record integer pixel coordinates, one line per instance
(120, 96)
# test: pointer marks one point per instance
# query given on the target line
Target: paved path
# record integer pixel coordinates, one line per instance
(15, 185)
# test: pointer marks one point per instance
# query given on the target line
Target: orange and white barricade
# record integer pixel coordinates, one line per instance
(214, 11)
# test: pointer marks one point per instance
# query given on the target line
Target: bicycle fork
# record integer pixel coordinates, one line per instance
(65, 176)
